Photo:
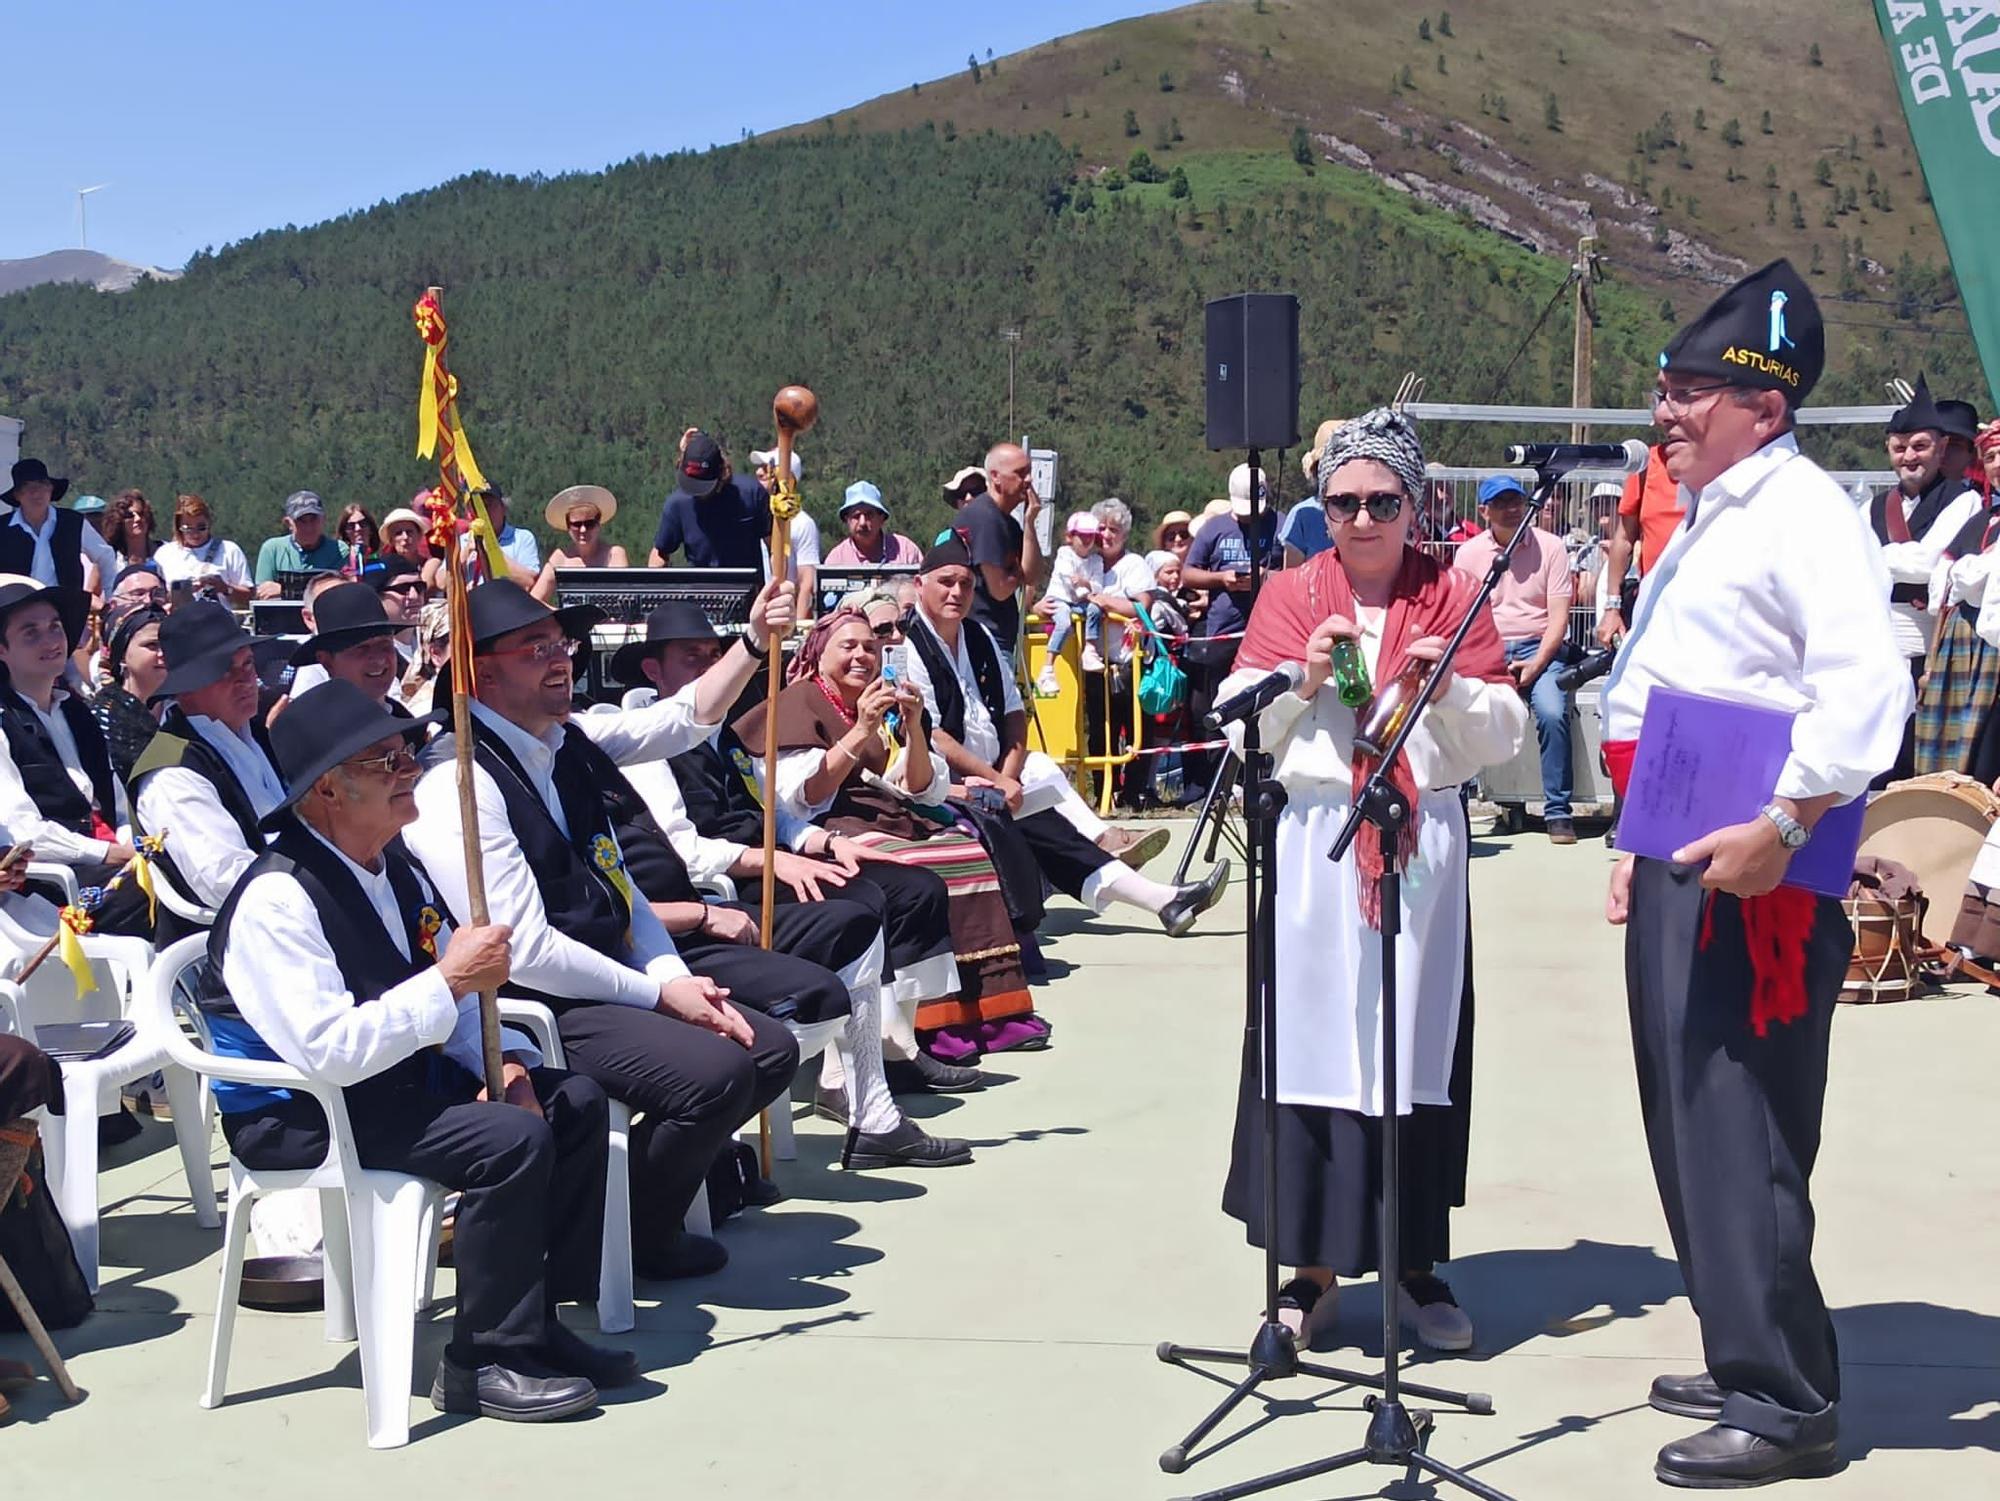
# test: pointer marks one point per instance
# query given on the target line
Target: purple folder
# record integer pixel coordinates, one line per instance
(1705, 763)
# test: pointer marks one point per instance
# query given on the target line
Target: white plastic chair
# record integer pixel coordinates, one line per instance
(91, 1086)
(56, 874)
(814, 1038)
(615, 1314)
(374, 1223)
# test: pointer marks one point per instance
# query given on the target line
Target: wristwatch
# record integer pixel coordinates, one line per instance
(1791, 833)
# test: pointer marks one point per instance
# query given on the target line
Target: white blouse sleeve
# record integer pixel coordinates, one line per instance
(795, 769)
(1474, 724)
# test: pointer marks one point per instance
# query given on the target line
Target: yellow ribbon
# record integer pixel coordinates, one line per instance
(487, 540)
(142, 873)
(427, 411)
(69, 948)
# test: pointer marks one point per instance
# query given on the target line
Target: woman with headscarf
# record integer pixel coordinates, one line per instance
(133, 668)
(1955, 729)
(854, 756)
(1373, 585)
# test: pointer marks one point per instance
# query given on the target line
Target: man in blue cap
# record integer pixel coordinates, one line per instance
(1531, 606)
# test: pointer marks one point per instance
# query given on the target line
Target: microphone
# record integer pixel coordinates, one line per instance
(1628, 457)
(1284, 678)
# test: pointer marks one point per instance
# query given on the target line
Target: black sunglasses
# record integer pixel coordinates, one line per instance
(1385, 505)
(886, 629)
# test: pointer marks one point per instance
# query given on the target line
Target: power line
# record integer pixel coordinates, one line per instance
(1500, 384)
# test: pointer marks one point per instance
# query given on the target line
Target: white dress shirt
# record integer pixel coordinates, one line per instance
(543, 958)
(665, 727)
(982, 735)
(203, 841)
(705, 858)
(52, 841)
(1769, 594)
(1916, 561)
(217, 558)
(94, 547)
(281, 972)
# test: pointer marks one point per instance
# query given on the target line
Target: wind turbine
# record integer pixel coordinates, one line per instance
(82, 237)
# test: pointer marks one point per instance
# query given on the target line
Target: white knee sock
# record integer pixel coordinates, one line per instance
(1115, 881)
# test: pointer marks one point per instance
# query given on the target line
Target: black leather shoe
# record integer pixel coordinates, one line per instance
(923, 1074)
(830, 1105)
(1179, 914)
(1694, 1396)
(686, 1255)
(526, 1392)
(762, 1193)
(906, 1146)
(1726, 1459)
(565, 1350)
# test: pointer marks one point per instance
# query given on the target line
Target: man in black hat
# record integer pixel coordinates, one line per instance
(705, 802)
(337, 957)
(205, 780)
(1766, 595)
(718, 518)
(1915, 520)
(57, 790)
(44, 543)
(353, 639)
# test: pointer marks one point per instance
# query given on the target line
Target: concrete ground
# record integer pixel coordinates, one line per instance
(989, 1331)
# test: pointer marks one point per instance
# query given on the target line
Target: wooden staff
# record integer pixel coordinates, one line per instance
(451, 490)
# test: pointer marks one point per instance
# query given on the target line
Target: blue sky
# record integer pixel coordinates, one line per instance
(212, 121)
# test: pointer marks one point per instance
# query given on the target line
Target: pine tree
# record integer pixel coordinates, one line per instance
(1771, 175)
(1444, 23)
(1732, 131)
(1166, 82)
(1700, 118)
(1818, 265)
(1407, 79)
(1302, 151)
(1823, 172)
(972, 62)
(1764, 124)
(1177, 185)
(1441, 67)
(1500, 109)
(950, 131)
(1877, 139)
(1551, 114)
(1131, 122)
(1715, 70)
(1814, 58)
(1424, 29)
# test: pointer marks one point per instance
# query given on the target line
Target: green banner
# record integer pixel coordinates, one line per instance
(1946, 56)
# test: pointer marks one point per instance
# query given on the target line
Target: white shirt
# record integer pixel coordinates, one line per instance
(203, 841)
(705, 858)
(281, 972)
(1131, 578)
(1915, 561)
(52, 841)
(94, 547)
(217, 558)
(1767, 594)
(982, 735)
(543, 958)
(1074, 576)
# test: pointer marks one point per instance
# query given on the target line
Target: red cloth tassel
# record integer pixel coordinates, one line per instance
(1776, 928)
(1618, 756)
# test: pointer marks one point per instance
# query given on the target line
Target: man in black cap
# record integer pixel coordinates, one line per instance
(337, 958)
(57, 791)
(716, 517)
(1766, 595)
(705, 802)
(1915, 520)
(44, 543)
(205, 780)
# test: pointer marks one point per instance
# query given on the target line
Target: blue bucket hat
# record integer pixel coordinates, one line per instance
(861, 493)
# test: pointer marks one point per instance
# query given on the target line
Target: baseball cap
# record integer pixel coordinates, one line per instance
(1495, 486)
(1239, 489)
(303, 503)
(1081, 522)
(862, 493)
(761, 458)
(701, 465)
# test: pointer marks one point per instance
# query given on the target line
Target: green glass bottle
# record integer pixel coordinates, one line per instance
(1350, 673)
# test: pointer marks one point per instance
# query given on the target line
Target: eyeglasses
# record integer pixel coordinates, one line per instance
(583, 523)
(1384, 505)
(540, 651)
(887, 629)
(192, 528)
(389, 764)
(1680, 398)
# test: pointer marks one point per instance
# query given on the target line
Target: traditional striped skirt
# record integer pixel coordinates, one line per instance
(1964, 676)
(992, 984)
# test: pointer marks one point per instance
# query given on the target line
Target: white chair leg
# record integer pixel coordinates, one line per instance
(614, 1271)
(336, 1266)
(698, 1221)
(235, 1234)
(184, 1094)
(75, 1185)
(386, 1224)
(427, 1268)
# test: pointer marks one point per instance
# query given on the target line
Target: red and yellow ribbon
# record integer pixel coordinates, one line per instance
(440, 432)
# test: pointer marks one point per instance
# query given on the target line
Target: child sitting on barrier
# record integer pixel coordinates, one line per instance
(1077, 576)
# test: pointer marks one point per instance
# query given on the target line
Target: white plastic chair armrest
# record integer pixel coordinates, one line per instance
(179, 902)
(722, 888)
(539, 1023)
(638, 698)
(11, 1002)
(62, 876)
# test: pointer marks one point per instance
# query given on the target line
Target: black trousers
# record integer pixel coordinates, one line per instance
(794, 979)
(1058, 846)
(691, 1088)
(909, 905)
(531, 1187)
(1733, 1126)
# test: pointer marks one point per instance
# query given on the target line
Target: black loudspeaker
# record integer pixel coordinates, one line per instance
(1253, 371)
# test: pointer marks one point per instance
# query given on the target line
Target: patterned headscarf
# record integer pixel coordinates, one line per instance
(1384, 435)
(805, 662)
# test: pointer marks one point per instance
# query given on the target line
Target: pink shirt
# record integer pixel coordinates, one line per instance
(900, 551)
(1537, 581)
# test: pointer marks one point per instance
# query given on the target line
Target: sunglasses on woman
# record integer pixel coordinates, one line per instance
(886, 629)
(1384, 505)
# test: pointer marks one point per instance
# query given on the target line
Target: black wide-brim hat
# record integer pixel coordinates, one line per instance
(321, 729)
(200, 642)
(346, 615)
(29, 470)
(674, 621)
(501, 606)
(72, 606)
(1765, 334)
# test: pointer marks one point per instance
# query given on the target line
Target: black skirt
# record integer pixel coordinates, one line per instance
(1330, 1169)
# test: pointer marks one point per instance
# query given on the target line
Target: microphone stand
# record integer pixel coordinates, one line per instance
(1273, 1353)
(1395, 1436)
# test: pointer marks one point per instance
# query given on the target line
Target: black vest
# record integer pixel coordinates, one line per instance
(1941, 492)
(655, 866)
(41, 766)
(178, 743)
(17, 548)
(719, 801)
(578, 897)
(987, 671)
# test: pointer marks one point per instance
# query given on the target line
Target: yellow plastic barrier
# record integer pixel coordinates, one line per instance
(1056, 726)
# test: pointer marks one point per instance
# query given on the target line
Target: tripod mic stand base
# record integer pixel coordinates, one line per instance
(1396, 1437)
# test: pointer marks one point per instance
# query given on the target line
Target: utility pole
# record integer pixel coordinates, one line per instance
(1013, 338)
(1585, 275)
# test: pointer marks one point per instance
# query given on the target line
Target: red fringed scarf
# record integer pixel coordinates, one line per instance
(1428, 600)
